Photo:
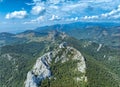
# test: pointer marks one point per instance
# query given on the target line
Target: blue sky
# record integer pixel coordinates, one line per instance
(29, 14)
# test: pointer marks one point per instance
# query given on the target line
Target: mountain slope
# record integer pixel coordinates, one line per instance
(102, 62)
(70, 74)
(105, 33)
(16, 60)
(101, 71)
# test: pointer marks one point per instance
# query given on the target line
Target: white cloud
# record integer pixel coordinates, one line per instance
(69, 9)
(54, 17)
(72, 19)
(74, 6)
(37, 10)
(100, 1)
(37, 20)
(16, 14)
(74, 10)
(55, 1)
(51, 1)
(112, 14)
(90, 17)
(54, 7)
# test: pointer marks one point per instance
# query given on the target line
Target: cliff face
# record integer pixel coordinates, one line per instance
(62, 54)
(40, 71)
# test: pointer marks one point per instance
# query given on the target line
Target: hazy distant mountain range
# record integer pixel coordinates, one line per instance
(104, 33)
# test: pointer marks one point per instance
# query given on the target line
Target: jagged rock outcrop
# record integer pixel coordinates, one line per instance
(41, 69)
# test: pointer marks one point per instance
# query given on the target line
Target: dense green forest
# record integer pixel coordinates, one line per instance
(100, 71)
(16, 61)
(103, 66)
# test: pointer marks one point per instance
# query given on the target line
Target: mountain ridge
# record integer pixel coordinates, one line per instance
(102, 61)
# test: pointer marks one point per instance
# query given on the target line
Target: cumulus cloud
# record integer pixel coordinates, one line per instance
(90, 17)
(72, 19)
(112, 14)
(52, 1)
(74, 10)
(46, 12)
(37, 20)
(54, 17)
(16, 14)
(37, 10)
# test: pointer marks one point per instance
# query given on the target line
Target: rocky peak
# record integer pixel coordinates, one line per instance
(64, 53)
(40, 71)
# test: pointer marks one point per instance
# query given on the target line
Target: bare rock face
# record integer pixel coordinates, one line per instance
(31, 80)
(63, 45)
(41, 69)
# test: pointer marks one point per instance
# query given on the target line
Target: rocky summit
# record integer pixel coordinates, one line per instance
(62, 54)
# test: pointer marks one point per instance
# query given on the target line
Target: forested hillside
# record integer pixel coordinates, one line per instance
(102, 61)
